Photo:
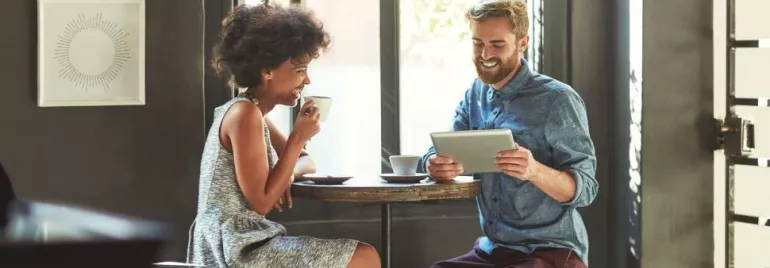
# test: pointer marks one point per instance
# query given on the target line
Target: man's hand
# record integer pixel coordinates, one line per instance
(518, 163)
(442, 169)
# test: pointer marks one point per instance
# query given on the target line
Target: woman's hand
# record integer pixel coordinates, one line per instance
(307, 124)
(305, 165)
(286, 198)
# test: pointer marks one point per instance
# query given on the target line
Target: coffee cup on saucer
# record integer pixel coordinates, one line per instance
(404, 165)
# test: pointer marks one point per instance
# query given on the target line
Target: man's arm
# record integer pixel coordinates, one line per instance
(574, 159)
(460, 122)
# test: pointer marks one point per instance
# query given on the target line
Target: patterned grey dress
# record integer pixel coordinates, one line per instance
(227, 233)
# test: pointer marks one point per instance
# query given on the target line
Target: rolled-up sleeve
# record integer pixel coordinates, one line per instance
(566, 131)
(459, 122)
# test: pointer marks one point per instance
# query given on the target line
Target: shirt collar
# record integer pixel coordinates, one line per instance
(518, 81)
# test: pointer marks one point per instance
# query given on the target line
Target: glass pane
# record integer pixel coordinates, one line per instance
(281, 118)
(436, 65)
(749, 19)
(751, 187)
(751, 245)
(751, 72)
(635, 30)
(536, 35)
(349, 73)
(436, 68)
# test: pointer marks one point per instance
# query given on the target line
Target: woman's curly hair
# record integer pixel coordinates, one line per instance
(263, 36)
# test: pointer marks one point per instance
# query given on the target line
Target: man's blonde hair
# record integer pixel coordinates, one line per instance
(514, 10)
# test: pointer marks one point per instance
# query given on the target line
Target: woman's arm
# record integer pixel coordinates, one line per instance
(305, 164)
(242, 129)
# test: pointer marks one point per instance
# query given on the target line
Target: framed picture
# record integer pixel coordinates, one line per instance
(91, 52)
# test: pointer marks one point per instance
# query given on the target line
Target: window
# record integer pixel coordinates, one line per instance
(349, 72)
(436, 67)
(535, 51)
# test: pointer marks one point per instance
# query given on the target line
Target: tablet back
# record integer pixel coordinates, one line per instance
(474, 149)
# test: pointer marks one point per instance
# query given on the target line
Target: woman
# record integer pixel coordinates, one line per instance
(248, 166)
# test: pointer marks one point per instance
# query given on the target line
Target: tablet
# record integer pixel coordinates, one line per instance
(474, 149)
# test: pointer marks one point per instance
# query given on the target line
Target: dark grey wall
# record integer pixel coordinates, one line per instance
(556, 44)
(676, 228)
(677, 167)
(591, 49)
(140, 160)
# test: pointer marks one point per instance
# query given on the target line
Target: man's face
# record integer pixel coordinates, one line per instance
(496, 52)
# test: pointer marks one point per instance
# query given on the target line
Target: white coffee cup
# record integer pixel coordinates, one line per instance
(404, 164)
(323, 104)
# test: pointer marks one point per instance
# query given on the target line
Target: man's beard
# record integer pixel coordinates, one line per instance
(503, 69)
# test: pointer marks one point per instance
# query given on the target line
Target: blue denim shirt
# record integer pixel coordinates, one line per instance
(548, 118)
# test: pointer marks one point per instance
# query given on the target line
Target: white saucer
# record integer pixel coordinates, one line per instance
(393, 178)
(326, 178)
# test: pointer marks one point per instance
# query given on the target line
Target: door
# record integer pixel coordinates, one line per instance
(741, 173)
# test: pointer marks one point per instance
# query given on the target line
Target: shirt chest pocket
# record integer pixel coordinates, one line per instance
(535, 143)
(526, 140)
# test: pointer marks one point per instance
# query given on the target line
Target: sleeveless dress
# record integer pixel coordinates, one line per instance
(227, 233)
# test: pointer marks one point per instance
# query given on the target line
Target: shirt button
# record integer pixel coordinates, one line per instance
(494, 199)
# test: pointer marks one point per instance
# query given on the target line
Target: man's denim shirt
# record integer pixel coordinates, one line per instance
(548, 118)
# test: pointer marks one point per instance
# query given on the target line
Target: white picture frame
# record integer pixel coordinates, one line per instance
(91, 53)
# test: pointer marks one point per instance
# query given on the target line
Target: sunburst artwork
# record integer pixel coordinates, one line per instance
(91, 52)
(105, 65)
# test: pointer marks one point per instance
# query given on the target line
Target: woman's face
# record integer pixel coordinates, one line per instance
(286, 82)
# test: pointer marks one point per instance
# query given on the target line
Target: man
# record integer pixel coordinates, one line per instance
(527, 210)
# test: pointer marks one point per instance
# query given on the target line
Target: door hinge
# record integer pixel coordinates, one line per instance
(735, 136)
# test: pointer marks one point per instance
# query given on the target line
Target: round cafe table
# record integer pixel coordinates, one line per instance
(373, 190)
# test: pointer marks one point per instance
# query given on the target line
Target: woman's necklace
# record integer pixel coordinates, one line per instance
(249, 96)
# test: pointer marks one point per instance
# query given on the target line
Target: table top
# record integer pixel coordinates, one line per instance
(375, 190)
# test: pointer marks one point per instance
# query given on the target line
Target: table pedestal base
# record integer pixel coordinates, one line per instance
(386, 231)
